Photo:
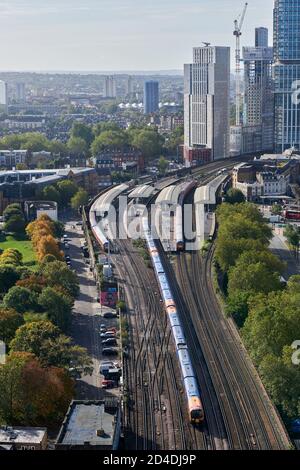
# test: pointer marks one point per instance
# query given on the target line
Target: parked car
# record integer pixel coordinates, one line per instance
(67, 246)
(105, 366)
(111, 330)
(108, 384)
(109, 342)
(67, 258)
(107, 335)
(110, 352)
(102, 329)
(109, 315)
(65, 236)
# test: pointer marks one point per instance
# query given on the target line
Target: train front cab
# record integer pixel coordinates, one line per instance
(196, 411)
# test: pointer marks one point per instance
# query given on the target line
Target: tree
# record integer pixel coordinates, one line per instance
(81, 198)
(20, 299)
(105, 126)
(45, 341)
(234, 196)
(67, 189)
(175, 139)
(34, 142)
(34, 283)
(33, 395)
(58, 273)
(12, 209)
(163, 165)
(82, 131)
(10, 321)
(50, 193)
(77, 147)
(47, 245)
(57, 306)
(272, 324)
(116, 139)
(8, 277)
(148, 141)
(292, 235)
(282, 381)
(15, 224)
(11, 256)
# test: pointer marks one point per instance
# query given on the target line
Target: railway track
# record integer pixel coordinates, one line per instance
(152, 374)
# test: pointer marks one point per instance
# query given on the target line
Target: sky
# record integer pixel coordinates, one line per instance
(116, 35)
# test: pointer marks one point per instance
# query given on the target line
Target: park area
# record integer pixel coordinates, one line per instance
(23, 245)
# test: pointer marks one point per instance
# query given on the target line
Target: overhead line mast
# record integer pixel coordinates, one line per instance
(238, 24)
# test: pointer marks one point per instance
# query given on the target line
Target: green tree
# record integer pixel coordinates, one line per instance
(67, 190)
(105, 126)
(77, 146)
(116, 139)
(57, 306)
(148, 141)
(234, 196)
(282, 381)
(272, 324)
(292, 235)
(15, 224)
(8, 277)
(83, 131)
(81, 198)
(10, 321)
(50, 193)
(45, 341)
(11, 210)
(57, 273)
(20, 299)
(34, 142)
(163, 165)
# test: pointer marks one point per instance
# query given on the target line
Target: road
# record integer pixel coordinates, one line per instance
(279, 247)
(86, 318)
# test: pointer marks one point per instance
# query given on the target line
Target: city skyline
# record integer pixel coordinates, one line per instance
(115, 36)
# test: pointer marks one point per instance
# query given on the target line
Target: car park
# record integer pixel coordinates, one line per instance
(110, 352)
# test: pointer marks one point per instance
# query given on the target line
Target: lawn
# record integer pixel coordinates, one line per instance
(23, 245)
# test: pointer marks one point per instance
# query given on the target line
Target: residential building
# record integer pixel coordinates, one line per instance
(23, 438)
(3, 97)
(10, 158)
(206, 101)
(267, 178)
(151, 97)
(23, 185)
(110, 89)
(259, 91)
(91, 425)
(261, 37)
(287, 73)
(118, 157)
(20, 92)
(129, 86)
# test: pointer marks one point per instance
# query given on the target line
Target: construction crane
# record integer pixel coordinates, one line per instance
(238, 24)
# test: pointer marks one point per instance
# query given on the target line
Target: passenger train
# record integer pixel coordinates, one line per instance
(194, 403)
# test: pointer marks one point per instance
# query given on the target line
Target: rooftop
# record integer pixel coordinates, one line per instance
(9, 435)
(88, 423)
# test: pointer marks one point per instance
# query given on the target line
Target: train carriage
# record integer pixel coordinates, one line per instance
(178, 336)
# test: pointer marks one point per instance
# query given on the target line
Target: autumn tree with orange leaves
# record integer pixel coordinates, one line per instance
(42, 235)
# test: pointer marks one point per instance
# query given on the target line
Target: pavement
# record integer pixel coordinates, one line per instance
(87, 318)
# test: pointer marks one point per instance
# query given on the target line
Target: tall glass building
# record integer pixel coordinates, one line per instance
(286, 73)
(151, 97)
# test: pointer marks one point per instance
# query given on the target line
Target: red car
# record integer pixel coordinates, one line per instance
(108, 384)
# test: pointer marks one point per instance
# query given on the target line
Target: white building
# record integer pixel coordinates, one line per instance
(206, 100)
(10, 158)
(3, 97)
(110, 89)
